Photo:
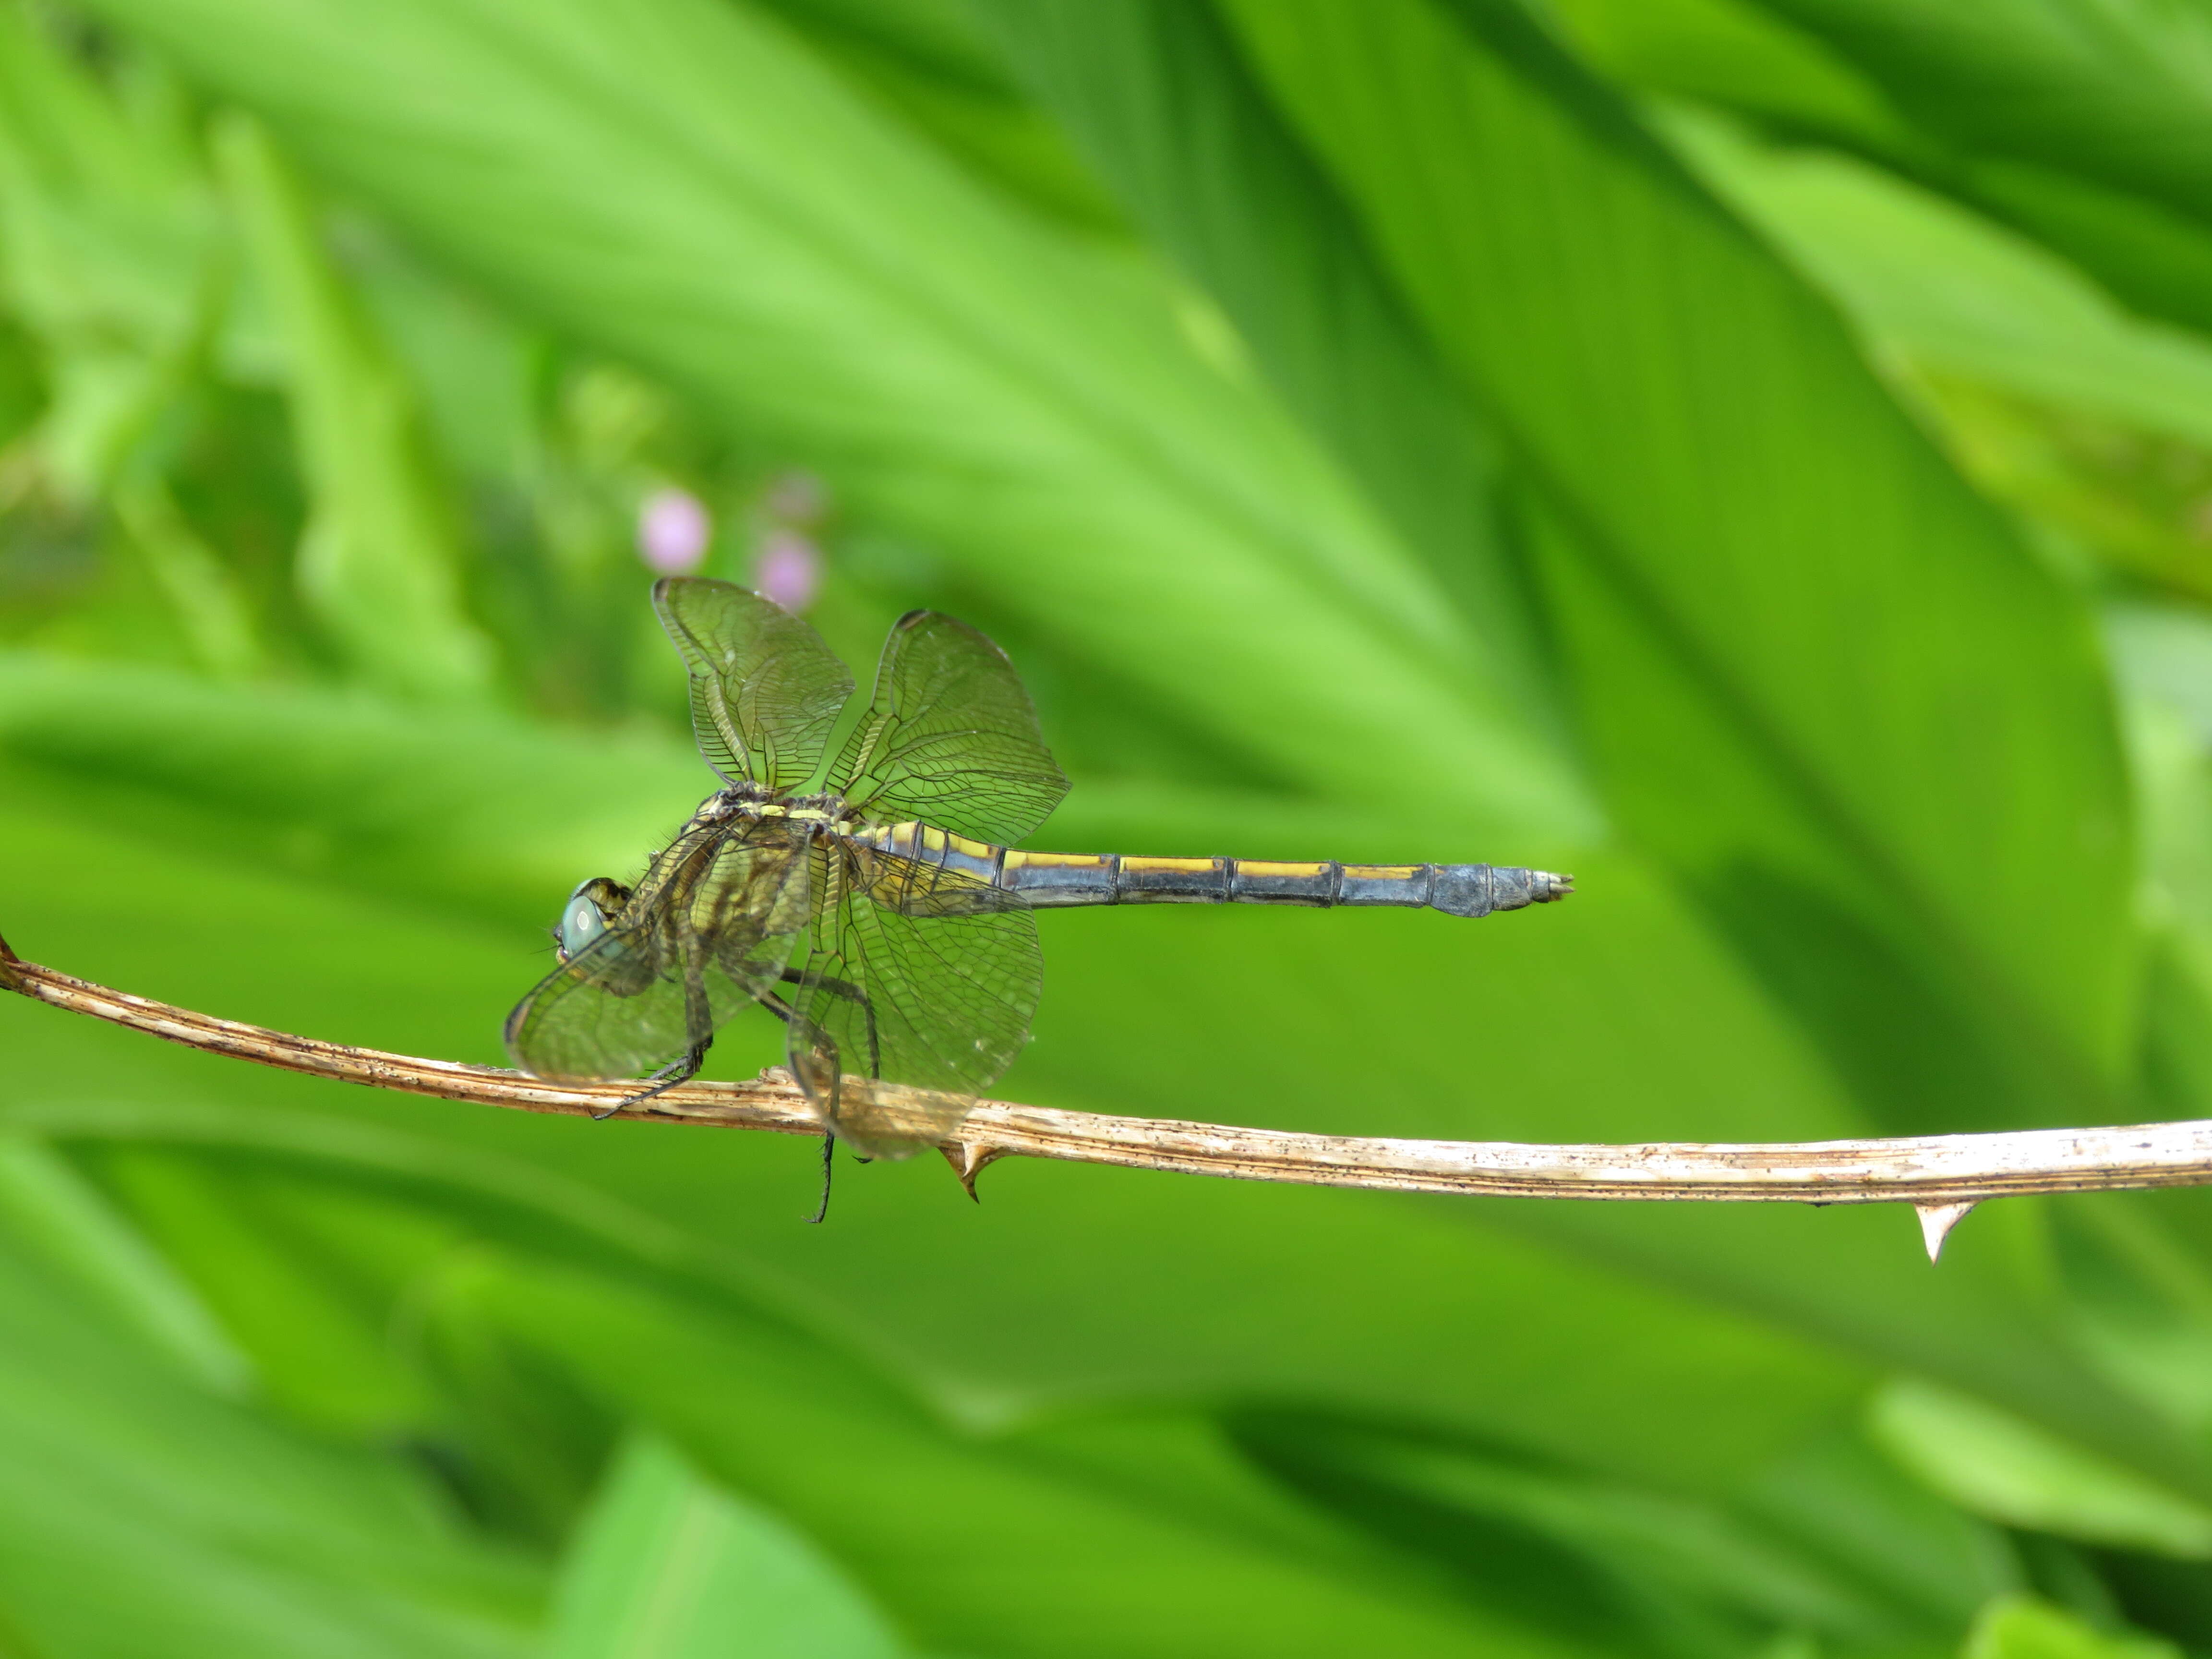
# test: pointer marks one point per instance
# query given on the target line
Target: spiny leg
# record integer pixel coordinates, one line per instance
(828, 1166)
(851, 993)
(782, 1010)
(697, 1018)
(685, 1070)
(668, 1076)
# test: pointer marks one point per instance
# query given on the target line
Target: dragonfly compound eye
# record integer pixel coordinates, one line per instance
(582, 919)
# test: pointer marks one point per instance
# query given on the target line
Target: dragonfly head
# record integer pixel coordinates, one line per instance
(590, 910)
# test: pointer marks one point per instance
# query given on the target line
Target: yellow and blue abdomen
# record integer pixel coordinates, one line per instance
(1050, 880)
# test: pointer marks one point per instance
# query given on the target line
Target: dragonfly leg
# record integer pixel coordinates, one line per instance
(668, 1076)
(838, 987)
(828, 1149)
(777, 1006)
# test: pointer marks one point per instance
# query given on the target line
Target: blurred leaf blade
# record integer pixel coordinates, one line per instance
(1580, 1549)
(368, 791)
(1407, 407)
(1998, 1467)
(2052, 395)
(1039, 420)
(1772, 66)
(110, 255)
(130, 1531)
(1167, 112)
(1985, 302)
(2018, 1628)
(1656, 369)
(378, 565)
(59, 1212)
(961, 1540)
(668, 1566)
(2114, 93)
(318, 1358)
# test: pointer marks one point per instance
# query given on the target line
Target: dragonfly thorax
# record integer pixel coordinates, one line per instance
(818, 809)
(750, 801)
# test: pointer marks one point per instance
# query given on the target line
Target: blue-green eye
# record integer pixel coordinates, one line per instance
(582, 921)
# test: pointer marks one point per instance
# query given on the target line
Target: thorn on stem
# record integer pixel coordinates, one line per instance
(968, 1160)
(1936, 1221)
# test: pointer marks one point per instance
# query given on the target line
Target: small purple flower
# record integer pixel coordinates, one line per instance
(788, 568)
(673, 530)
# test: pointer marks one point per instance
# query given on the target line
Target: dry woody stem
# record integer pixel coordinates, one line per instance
(1943, 1175)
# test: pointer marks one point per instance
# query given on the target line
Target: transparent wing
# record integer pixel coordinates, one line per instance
(949, 737)
(915, 994)
(707, 932)
(765, 689)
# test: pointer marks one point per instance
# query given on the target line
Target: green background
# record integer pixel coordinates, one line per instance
(1757, 457)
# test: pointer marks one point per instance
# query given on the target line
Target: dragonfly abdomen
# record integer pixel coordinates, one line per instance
(1050, 880)
(1460, 889)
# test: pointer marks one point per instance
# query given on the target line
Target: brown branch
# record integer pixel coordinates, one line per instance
(1942, 1175)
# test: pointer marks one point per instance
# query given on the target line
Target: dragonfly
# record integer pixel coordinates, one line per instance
(873, 901)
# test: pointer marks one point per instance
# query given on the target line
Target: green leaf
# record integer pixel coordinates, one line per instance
(1623, 264)
(2152, 259)
(115, 262)
(669, 1566)
(1994, 1466)
(1585, 1553)
(1023, 404)
(2162, 654)
(379, 564)
(141, 1515)
(2021, 1629)
(975, 1546)
(1167, 113)
(686, 186)
(476, 811)
(210, 606)
(58, 1214)
(2155, 258)
(318, 1357)
(1738, 55)
(2112, 92)
(2087, 418)
(1950, 292)
(1814, 665)
(111, 255)
(924, 59)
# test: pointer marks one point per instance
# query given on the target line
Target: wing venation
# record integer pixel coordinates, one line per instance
(765, 689)
(950, 737)
(916, 992)
(707, 932)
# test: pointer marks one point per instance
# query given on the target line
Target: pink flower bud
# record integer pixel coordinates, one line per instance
(788, 568)
(673, 530)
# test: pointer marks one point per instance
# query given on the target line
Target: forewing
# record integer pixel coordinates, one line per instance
(709, 930)
(618, 1008)
(915, 994)
(949, 737)
(765, 689)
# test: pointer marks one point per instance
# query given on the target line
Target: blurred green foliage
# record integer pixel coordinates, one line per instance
(1754, 455)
